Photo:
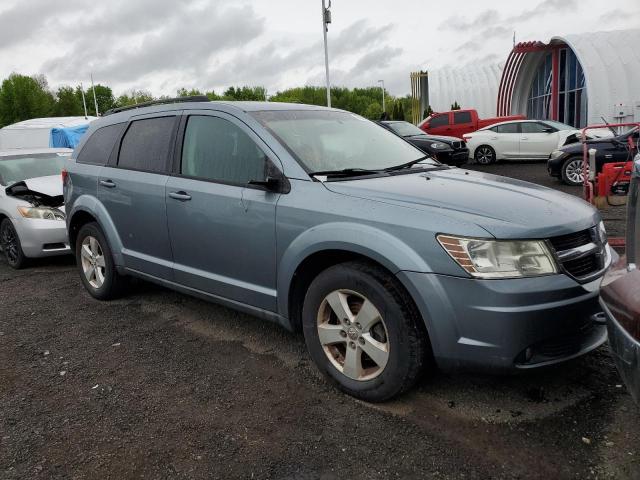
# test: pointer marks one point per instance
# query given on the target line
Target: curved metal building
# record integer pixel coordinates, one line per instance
(575, 79)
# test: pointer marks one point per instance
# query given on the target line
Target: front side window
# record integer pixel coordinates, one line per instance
(327, 140)
(508, 128)
(461, 117)
(147, 144)
(439, 121)
(533, 127)
(216, 149)
(16, 168)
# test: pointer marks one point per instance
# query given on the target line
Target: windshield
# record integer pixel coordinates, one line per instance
(405, 129)
(559, 125)
(324, 140)
(16, 168)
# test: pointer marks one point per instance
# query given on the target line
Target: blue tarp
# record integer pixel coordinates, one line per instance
(68, 137)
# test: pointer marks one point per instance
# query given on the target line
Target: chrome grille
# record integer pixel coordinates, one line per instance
(582, 255)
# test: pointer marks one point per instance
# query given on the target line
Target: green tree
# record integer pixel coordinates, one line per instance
(373, 111)
(428, 111)
(245, 93)
(455, 106)
(68, 102)
(401, 115)
(23, 97)
(104, 96)
(134, 97)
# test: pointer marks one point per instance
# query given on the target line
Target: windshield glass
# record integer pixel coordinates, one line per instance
(15, 168)
(405, 129)
(559, 125)
(328, 140)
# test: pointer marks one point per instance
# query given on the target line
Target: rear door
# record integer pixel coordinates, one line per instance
(132, 189)
(506, 140)
(223, 229)
(462, 123)
(535, 142)
(439, 124)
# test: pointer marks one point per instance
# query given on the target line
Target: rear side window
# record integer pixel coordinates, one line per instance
(508, 128)
(461, 117)
(216, 149)
(532, 127)
(439, 121)
(147, 144)
(100, 144)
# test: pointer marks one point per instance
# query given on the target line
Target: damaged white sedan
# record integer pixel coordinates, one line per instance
(31, 205)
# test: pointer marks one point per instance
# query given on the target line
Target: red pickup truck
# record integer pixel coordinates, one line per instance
(458, 122)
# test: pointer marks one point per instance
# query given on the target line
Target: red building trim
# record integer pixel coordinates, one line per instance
(555, 70)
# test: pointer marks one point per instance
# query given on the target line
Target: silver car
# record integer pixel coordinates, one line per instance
(31, 204)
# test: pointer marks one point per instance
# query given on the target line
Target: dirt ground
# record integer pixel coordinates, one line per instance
(161, 385)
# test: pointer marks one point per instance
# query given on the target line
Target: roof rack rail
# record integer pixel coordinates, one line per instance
(194, 98)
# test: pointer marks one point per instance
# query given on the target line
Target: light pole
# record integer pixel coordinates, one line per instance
(384, 109)
(326, 20)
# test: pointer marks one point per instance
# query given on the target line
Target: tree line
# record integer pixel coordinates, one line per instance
(23, 97)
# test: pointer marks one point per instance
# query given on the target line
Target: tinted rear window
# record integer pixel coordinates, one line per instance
(146, 145)
(508, 128)
(99, 146)
(461, 117)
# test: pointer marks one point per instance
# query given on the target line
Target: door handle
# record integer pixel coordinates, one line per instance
(107, 183)
(524, 138)
(494, 138)
(182, 196)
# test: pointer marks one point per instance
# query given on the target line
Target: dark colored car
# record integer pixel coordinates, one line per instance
(566, 163)
(620, 296)
(449, 150)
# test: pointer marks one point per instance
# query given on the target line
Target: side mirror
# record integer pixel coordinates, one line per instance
(272, 184)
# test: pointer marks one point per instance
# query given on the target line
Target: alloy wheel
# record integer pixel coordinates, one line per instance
(10, 244)
(93, 262)
(573, 171)
(484, 155)
(353, 334)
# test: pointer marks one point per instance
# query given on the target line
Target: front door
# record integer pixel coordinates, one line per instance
(133, 192)
(223, 229)
(536, 142)
(506, 140)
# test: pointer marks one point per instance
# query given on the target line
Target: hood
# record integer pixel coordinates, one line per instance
(504, 207)
(39, 191)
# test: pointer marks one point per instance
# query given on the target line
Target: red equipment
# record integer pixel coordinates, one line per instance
(614, 178)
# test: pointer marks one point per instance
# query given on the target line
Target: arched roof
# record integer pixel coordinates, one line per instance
(472, 86)
(611, 65)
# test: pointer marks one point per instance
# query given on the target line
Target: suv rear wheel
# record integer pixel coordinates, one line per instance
(362, 331)
(95, 263)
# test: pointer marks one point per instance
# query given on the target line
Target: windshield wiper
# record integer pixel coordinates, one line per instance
(411, 163)
(346, 172)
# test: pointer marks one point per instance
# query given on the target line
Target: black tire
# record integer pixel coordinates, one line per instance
(11, 246)
(568, 172)
(113, 284)
(407, 341)
(485, 155)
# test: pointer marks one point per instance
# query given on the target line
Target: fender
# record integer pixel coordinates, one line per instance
(91, 205)
(371, 242)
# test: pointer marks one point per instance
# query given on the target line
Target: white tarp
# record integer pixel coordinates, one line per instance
(35, 133)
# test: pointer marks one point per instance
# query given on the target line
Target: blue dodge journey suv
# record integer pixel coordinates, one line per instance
(388, 261)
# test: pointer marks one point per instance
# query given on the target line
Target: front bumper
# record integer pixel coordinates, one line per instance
(42, 238)
(454, 157)
(554, 166)
(507, 324)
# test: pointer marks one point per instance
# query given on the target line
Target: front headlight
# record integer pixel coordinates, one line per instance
(556, 154)
(500, 258)
(439, 145)
(41, 213)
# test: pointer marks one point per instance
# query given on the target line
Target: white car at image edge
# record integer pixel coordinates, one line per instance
(519, 139)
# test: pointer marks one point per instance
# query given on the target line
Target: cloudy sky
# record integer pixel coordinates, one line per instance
(160, 45)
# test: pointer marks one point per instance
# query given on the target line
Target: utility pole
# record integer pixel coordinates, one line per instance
(95, 100)
(384, 108)
(326, 20)
(84, 102)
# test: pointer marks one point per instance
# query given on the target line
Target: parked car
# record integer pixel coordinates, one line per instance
(517, 140)
(566, 162)
(458, 122)
(620, 296)
(31, 205)
(320, 220)
(449, 150)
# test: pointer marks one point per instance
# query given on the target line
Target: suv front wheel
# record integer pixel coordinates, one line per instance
(95, 262)
(362, 331)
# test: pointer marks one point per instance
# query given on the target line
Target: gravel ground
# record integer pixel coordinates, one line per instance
(160, 385)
